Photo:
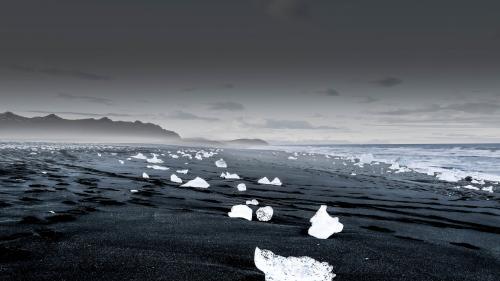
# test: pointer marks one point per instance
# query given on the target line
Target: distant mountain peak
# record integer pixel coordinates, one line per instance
(52, 116)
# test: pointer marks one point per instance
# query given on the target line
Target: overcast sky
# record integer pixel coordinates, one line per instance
(333, 71)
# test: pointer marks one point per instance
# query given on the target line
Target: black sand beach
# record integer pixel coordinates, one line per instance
(79, 221)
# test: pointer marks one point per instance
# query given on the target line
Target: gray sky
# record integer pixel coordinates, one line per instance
(283, 70)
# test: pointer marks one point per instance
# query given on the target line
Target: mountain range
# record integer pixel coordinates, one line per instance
(14, 127)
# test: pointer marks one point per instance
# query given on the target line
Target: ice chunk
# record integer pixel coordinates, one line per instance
(221, 163)
(264, 213)
(241, 211)
(175, 178)
(323, 225)
(353, 174)
(292, 158)
(241, 187)
(98, 154)
(196, 182)
(229, 176)
(252, 202)
(156, 167)
(154, 160)
(183, 171)
(198, 157)
(144, 175)
(139, 156)
(174, 156)
(121, 162)
(278, 268)
(134, 190)
(471, 187)
(264, 180)
(276, 181)
(488, 189)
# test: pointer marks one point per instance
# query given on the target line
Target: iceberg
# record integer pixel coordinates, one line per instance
(241, 187)
(229, 176)
(196, 182)
(139, 156)
(471, 187)
(183, 171)
(175, 178)
(264, 213)
(154, 160)
(264, 180)
(488, 189)
(323, 225)
(252, 202)
(241, 211)
(276, 181)
(156, 167)
(278, 268)
(145, 176)
(221, 163)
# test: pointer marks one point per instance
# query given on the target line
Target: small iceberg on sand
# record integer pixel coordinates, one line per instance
(175, 178)
(145, 176)
(241, 187)
(241, 211)
(323, 225)
(156, 167)
(229, 176)
(139, 156)
(488, 189)
(252, 202)
(278, 268)
(265, 180)
(264, 213)
(221, 163)
(155, 160)
(196, 182)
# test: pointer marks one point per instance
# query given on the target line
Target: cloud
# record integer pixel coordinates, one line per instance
(182, 115)
(224, 86)
(329, 92)
(74, 73)
(228, 86)
(85, 98)
(289, 9)
(369, 100)
(277, 124)
(227, 105)
(388, 82)
(472, 107)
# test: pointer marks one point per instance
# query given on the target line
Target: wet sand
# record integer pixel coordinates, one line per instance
(396, 227)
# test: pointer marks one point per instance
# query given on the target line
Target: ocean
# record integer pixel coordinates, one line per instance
(449, 162)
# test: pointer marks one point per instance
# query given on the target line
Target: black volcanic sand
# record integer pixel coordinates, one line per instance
(397, 226)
